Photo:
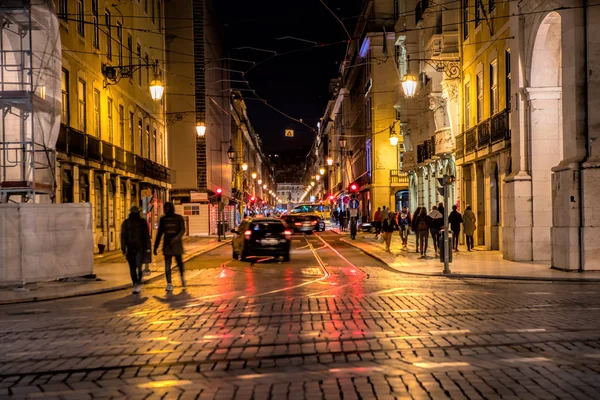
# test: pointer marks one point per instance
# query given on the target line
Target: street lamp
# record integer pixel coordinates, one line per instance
(200, 129)
(230, 153)
(157, 88)
(260, 181)
(244, 167)
(322, 171)
(393, 137)
(329, 161)
(343, 142)
(312, 183)
(264, 187)
(254, 175)
(409, 82)
(318, 177)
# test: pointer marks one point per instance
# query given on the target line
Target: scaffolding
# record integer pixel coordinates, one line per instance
(30, 100)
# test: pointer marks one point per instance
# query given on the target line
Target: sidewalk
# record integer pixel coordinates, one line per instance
(478, 263)
(112, 273)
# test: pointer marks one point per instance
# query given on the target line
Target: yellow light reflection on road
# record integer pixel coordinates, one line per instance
(164, 384)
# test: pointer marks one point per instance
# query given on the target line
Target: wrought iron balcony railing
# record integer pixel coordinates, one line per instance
(483, 135)
(471, 140)
(398, 177)
(499, 127)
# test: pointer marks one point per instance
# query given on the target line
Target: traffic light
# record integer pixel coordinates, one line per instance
(353, 188)
(252, 199)
(332, 198)
(445, 181)
(219, 193)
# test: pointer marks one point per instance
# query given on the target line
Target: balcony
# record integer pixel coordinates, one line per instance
(499, 127)
(483, 135)
(460, 146)
(76, 143)
(397, 177)
(421, 153)
(94, 149)
(443, 141)
(471, 140)
(108, 153)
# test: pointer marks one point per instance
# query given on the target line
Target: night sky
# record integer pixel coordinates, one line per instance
(296, 83)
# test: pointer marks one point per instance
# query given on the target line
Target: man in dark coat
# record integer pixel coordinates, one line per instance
(455, 219)
(172, 226)
(135, 242)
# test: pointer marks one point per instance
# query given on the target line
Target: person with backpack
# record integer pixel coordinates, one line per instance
(135, 243)
(388, 226)
(404, 223)
(454, 220)
(415, 229)
(423, 230)
(172, 226)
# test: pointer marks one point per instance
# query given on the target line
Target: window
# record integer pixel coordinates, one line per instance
(147, 149)
(480, 97)
(95, 28)
(97, 130)
(130, 48)
(141, 136)
(109, 117)
(139, 54)
(62, 9)
(467, 105)
(146, 6)
(80, 18)
(64, 86)
(121, 126)
(368, 113)
(108, 35)
(81, 106)
(131, 132)
(491, 5)
(159, 8)
(478, 9)
(494, 87)
(120, 42)
(146, 63)
(153, 149)
(153, 13)
(99, 203)
(507, 79)
(466, 18)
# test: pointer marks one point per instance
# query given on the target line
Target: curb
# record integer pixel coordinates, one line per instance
(474, 276)
(107, 289)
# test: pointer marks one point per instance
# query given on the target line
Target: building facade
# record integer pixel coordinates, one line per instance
(361, 117)
(112, 147)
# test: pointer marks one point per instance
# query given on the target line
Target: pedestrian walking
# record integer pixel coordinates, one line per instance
(415, 228)
(135, 243)
(404, 224)
(423, 231)
(455, 219)
(441, 209)
(377, 221)
(436, 222)
(172, 226)
(469, 226)
(336, 217)
(385, 212)
(388, 226)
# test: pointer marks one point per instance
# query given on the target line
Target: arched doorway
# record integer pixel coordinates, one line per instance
(545, 123)
(402, 199)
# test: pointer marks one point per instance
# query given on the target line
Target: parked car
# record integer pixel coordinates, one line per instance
(261, 237)
(305, 222)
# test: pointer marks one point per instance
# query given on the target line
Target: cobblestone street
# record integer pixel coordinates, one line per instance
(333, 323)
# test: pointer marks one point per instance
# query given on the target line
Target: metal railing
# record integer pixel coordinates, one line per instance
(73, 142)
(460, 146)
(471, 140)
(483, 135)
(398, 176)
(499, 127)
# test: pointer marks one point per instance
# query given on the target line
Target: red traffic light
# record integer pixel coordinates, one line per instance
(219, 191)
(252, 199)
(353, 187)
(331, 198)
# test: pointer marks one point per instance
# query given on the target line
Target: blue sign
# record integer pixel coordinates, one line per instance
(353, 204)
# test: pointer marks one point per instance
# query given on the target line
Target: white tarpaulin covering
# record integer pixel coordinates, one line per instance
(42, 242)
(30, 86)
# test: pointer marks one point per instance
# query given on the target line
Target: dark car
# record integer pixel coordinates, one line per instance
(262, 237)
(304, 222)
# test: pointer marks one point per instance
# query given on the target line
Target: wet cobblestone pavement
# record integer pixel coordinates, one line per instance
(333, 323)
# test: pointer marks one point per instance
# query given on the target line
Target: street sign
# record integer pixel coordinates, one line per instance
(346, 199)
(354, 204)
(289, 133)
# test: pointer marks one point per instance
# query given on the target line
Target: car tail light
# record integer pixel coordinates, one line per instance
(287, 233)
(314, 222)
(298, 223)
(247, 234)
